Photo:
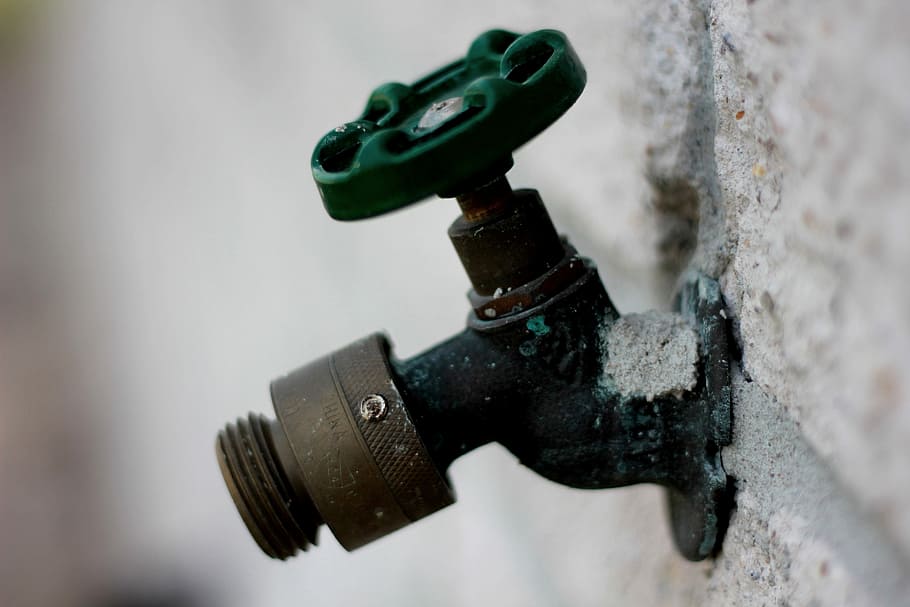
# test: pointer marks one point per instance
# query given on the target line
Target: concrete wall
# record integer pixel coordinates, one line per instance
(159, 217)
(784, 122)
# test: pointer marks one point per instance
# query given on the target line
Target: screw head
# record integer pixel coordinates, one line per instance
(373, 408)
(440, 112)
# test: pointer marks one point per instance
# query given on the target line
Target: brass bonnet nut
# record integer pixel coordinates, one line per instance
(343, 451)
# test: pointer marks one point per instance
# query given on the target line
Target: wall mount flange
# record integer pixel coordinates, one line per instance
(699, 513)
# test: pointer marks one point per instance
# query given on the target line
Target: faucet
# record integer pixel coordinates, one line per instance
(547, 367)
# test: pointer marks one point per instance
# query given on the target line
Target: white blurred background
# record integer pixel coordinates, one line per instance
(164, 255)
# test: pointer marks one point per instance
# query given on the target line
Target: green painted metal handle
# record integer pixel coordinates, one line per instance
(450, 131)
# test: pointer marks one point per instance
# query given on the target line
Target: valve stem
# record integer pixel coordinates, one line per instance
(489, 200)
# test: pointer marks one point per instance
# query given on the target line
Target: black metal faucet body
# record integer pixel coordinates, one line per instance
(533, 384)
(536, 381)
(362, 441)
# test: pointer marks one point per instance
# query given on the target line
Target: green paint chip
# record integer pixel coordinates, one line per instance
(537, 325)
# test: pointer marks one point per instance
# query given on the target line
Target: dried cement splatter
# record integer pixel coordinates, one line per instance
(650, 355)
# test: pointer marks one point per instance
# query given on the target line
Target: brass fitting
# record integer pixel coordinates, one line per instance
(343, 451)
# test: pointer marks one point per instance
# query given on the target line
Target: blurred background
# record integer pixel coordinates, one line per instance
(164, 254)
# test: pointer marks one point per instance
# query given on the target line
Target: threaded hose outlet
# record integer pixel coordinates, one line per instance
(281, 520)
(342, 451)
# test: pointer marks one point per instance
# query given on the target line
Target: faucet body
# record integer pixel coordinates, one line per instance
(547, 367)
(531, 372)
(537, 381)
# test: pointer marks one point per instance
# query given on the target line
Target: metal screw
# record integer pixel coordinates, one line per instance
(373, 408)
(440, 112)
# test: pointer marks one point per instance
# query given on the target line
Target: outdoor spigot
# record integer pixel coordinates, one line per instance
(547, 367)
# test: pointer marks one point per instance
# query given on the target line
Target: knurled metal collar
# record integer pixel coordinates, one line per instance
(363, 463)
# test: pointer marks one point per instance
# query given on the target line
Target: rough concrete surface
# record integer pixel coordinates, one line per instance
(809, 207)
(675, 99)
(651, 355)
(796, 536)
(815, 186)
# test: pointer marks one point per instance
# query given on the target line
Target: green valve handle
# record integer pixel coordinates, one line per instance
(451, 131)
